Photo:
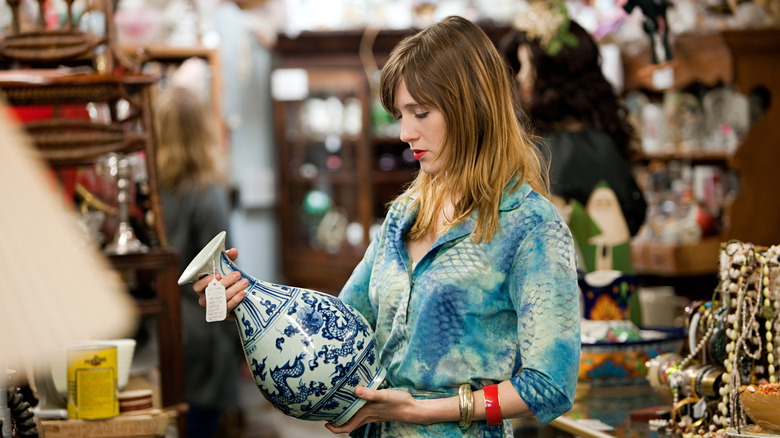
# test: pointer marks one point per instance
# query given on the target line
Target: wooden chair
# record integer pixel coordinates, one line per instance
(66, 66)
(59, 68)
(63, 45)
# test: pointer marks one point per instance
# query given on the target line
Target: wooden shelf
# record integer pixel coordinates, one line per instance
(172, 53)
(692, 156)
(67, 141)
(161, 267)
(696, 58)
(664, 259)
(153, 424)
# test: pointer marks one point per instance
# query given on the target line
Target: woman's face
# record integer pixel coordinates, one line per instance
(423, 128)
(525, 77)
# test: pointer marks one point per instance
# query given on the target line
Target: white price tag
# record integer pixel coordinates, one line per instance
(663, 79)
(699, 409)
(216, 302)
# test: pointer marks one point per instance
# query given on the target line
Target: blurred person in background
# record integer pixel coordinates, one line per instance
(574, 108)
(196, 207)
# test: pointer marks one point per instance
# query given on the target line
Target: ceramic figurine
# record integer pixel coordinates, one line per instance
(607, 294)
(307, 350)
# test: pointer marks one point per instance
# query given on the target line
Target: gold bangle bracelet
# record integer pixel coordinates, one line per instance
(465, 405)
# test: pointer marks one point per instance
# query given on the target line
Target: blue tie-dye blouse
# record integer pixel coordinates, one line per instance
(475, 312)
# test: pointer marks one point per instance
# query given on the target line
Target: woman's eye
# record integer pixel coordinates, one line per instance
(421, 115)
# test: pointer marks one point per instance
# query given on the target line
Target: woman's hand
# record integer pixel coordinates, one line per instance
(394, 405)
(234, 285)
(383, 405)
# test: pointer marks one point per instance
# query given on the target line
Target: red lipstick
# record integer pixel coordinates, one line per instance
(418, 153)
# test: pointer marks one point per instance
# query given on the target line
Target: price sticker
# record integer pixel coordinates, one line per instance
(663, 79)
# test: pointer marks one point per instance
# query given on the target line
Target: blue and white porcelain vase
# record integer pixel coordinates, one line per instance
(307, 350)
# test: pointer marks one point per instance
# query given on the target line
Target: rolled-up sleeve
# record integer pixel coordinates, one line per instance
(543, 286)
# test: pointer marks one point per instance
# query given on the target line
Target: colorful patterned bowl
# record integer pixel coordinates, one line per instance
(624, 363)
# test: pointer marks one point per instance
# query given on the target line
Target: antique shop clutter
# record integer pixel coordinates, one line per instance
(686, 137)
(728, 381)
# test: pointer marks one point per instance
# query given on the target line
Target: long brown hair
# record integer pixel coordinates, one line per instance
(571, 85)
(454, 67)
(186, 141)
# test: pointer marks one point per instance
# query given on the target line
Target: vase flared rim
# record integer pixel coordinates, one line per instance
(204, 256)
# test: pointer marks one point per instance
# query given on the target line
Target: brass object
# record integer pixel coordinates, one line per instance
(92, 201)
(466, 405)
(711, 381)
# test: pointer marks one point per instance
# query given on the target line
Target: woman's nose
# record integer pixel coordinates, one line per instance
(407, 133)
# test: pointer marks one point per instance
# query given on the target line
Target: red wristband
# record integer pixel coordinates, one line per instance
(492, 408)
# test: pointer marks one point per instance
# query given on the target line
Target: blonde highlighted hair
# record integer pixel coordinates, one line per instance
(453, 66)
(187, 143)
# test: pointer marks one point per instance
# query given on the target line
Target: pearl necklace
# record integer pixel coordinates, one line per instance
(771, 307)
(733, 295)
(749, 286)
(749, 292)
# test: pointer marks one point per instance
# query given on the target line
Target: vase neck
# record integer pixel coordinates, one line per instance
(224, 265)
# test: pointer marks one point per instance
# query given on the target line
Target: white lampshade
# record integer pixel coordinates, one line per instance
(55, 289)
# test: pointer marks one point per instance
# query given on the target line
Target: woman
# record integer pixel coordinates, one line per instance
(575, 109)
(470, 284)
(196, 207)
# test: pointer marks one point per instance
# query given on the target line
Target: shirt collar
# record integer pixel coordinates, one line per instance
(512, 200)
(509, 201)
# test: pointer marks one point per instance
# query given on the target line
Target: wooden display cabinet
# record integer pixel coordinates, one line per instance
(324, 187)
(755, 213)
(748, 60)
(358, 170)
(329, 179)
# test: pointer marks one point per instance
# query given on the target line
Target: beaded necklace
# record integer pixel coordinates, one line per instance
(748, 288)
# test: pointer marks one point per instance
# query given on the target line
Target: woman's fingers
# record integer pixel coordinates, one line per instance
(233, 285)
(368, 394)
(357, 420)
(235, 293)
(200, 285)
(378, 405)
(232, 253)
